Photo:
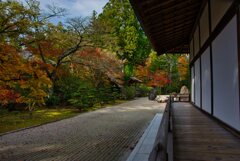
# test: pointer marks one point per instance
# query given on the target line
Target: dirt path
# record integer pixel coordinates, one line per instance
(104, 135)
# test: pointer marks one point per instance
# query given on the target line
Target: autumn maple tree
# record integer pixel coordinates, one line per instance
(22, 79)
(55, 45)
(183, 67)
(99, 65)
(152, 76)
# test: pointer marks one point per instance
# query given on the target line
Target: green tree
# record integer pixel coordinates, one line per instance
(123, 34)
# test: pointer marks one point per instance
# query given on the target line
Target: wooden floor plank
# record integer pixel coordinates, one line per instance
(197, 137)
(200, 156)
(222, 149)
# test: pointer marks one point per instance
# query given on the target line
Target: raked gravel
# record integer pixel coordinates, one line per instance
(107, 134)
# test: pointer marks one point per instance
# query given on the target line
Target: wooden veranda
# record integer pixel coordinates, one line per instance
(196, 136)
(187, 133)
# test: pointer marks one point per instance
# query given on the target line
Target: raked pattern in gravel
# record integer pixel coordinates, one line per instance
(107, 134)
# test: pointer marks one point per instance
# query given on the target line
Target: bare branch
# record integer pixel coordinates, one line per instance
(78, 24)
(44, 60)
(54, 11)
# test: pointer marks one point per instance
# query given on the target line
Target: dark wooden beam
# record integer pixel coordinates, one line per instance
(168, 33)
(173, 24)
(181, 6)
(171, 42)
(176, 15)
(150, 4)
(238, 39)
(211, 56)
(155, 19)
(200, 61)
(147, 3)
(175, 44)
(194, 85)
(180, 49)
(171, 35)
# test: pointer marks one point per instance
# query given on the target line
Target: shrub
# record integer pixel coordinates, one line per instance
(107, 94)
(52, 100)
(81, 93)
(128, 92)
(103, 95)
(142, 91)
(67, 86)
(11, 107)
(83, 98)
(115, 93)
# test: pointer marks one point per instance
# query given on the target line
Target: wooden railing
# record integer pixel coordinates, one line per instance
(163, 150)
(180, 98)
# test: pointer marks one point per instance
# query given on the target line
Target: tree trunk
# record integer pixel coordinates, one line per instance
(152, 94)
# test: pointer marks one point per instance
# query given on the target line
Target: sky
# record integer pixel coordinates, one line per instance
(75, 8)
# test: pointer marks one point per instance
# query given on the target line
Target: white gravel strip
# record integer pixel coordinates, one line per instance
(107, 134)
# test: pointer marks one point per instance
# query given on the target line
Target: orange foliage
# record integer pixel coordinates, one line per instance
(22, 79)
(8, 96)
(182, 67)
(158, 79)
(99, 65)
(49, 48)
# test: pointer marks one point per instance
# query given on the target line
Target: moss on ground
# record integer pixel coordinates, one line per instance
(21, 119)
(14, 120)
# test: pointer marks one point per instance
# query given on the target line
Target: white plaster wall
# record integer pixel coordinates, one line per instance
(225, 75)
(192, 84)
(197, 83)
(206, 81)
